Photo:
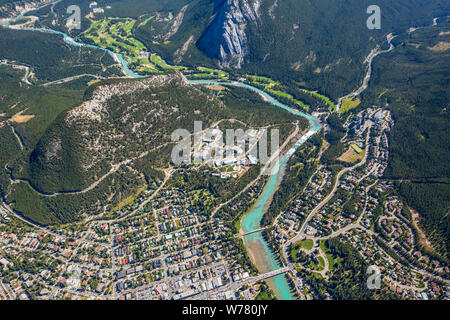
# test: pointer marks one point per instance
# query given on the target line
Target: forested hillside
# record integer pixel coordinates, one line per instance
(413, 81)
(116, 141)
(7, 7)
(51, 59)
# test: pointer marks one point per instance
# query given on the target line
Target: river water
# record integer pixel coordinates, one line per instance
(262, 255)
(69, 40)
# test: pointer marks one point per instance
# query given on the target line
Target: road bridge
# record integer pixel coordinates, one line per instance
(241, 235)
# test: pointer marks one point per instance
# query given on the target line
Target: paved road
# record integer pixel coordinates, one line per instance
(331, 195)
(114, 168)
(68, 79)
(301, 233)
(234, 286)
(25, 78)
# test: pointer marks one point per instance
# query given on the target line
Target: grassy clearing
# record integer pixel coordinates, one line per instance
(278, 93)
(21, 118)
(270, 86)
(351, 156)
(321, 264)
(357, 149)
(215, 73)
(144, 23)
(440, 47)
(130, 200)
(200, 76)
(216, 88)
(349, 104)
(306, 244)
(262, 79)
(159, 62)
(330, 258)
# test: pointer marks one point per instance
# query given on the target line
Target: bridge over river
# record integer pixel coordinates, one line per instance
(241, 235)
(237, 284)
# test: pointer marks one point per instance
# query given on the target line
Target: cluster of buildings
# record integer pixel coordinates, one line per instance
(164, 247)
(356, 215)
(182, 256)
(95, 9)
(291, 219)
(231, 160)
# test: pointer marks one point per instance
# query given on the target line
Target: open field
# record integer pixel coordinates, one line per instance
(146, 21)
(321, 264)
(357, 149)
(331, 259)
(351, 156)
(216, 88)
(219, 73)
(262, 79)
(440, 47)
(422, 238)
(208, 73)
(306, 244)
(129, 200)
(21, 118)
(349, 104)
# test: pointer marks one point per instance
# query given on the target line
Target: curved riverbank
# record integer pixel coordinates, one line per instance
(257, 246)
(260, 252)
(69, 40)
(258, 249)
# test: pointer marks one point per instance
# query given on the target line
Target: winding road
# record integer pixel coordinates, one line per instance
(19, 140)
(301, 233)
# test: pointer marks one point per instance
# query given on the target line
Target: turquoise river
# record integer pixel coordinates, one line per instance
(262, 255)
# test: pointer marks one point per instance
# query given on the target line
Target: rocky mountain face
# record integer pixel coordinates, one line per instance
(226, 38)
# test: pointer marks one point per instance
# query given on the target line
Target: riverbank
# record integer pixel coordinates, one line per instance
(258, 249)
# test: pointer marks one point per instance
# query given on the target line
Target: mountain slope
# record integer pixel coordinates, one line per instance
(226, 38)
(117, 123)
(321, 43)
(413, 81)
(118, 141)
